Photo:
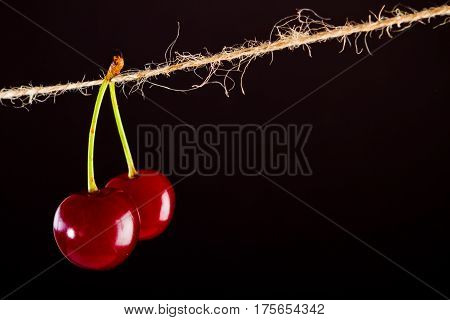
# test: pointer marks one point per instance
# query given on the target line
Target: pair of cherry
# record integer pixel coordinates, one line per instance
(98, 229)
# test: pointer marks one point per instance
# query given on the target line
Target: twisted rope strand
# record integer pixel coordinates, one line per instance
(291, 38)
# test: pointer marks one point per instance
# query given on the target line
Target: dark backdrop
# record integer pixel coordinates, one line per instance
(379, 151)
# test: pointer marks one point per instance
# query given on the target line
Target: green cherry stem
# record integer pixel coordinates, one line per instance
(92, 187)
(126, 149)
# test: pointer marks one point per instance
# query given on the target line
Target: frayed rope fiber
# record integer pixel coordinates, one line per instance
(293, 32)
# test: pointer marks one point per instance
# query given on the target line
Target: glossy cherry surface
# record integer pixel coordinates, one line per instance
(96, 230)
(154, 197)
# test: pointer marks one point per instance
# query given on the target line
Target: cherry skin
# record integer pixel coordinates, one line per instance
(153, 196)
(96, 230)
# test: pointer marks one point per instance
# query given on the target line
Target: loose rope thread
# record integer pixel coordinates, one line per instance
(306, 30)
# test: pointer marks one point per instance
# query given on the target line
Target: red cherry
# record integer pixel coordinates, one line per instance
(96, 230)
(154, 197)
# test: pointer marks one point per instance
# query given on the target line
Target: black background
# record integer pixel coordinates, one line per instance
(379, 151)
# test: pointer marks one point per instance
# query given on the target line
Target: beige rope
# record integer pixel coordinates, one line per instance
(292, 38)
